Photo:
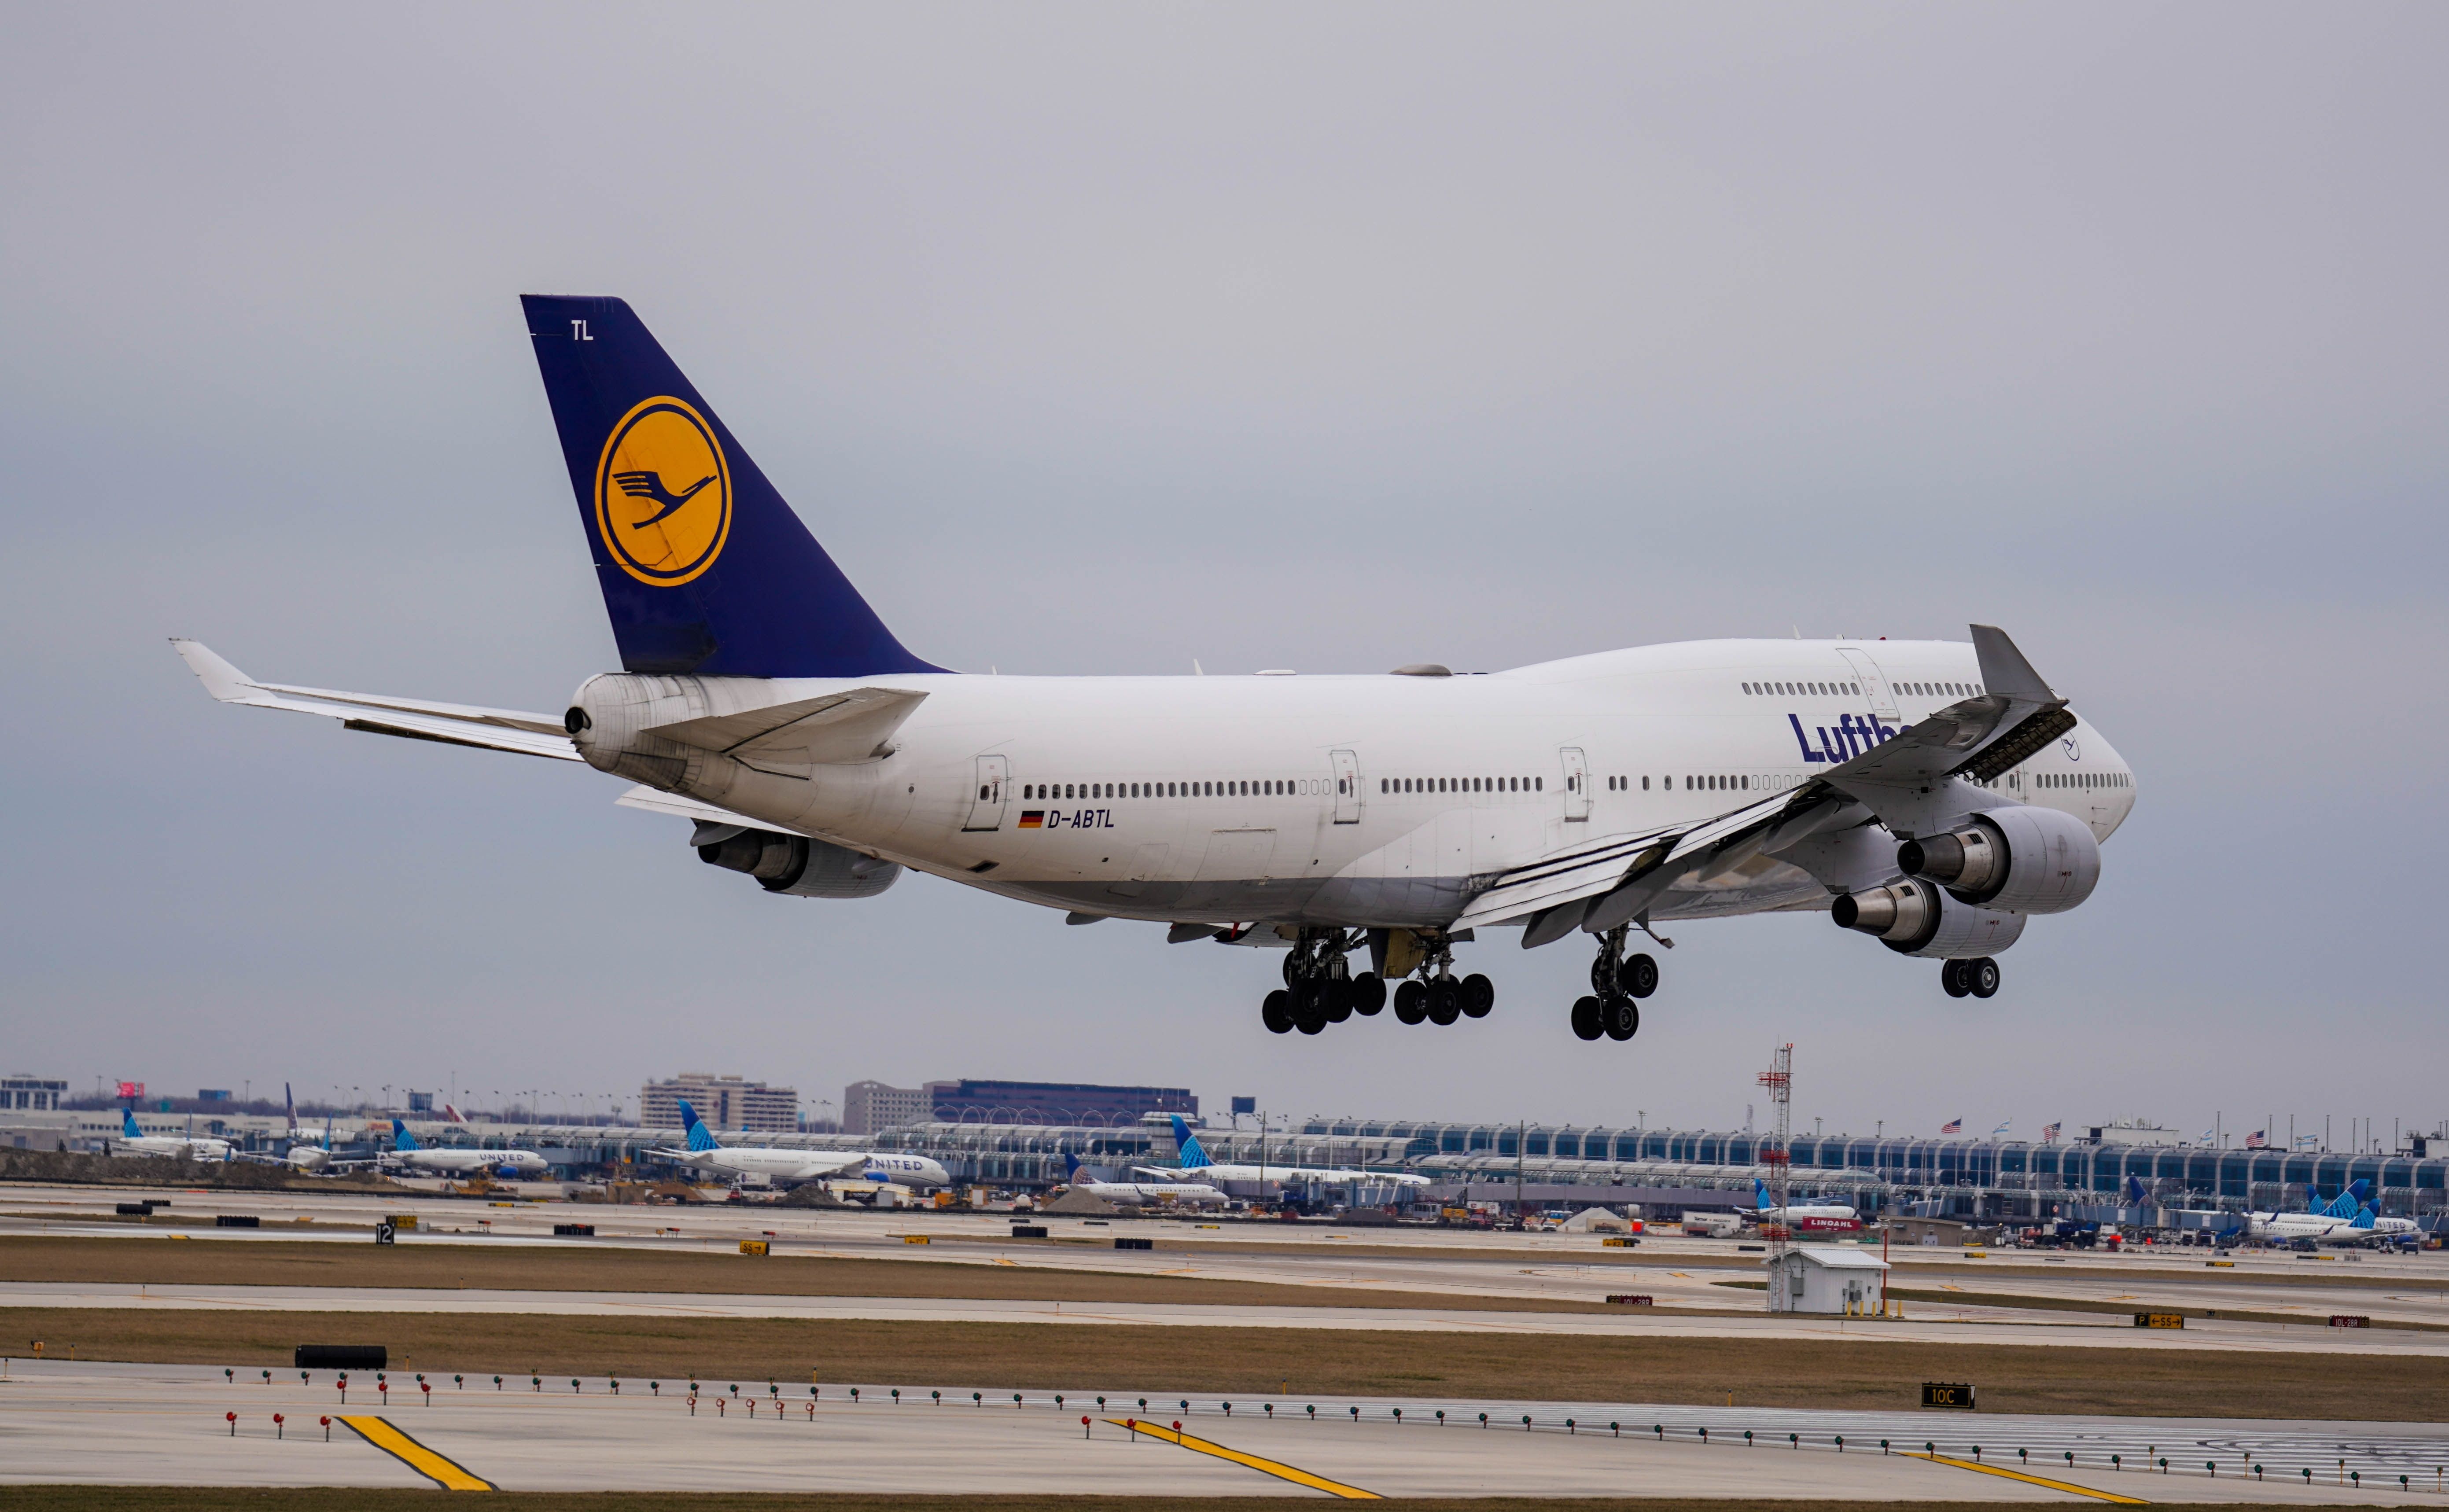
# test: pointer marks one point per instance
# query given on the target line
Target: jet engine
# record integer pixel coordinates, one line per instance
(1914, 917)
(2025, 860)
(803, 867)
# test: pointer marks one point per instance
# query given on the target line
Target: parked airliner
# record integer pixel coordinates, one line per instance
(1191, 1162)
(1799, 1214)
(1102, 1184)
(133, 1140)
(1935, 795)
(707, 1153)
(408, 1152)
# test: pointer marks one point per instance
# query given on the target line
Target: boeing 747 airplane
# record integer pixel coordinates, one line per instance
(1933, 795)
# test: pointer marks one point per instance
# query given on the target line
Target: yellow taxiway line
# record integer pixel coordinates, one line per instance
(2068, 1487)
(1281, 1471)
(442, 1472)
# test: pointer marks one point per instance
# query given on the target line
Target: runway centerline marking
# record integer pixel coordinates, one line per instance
(1281, 1471)
(2068, 1487)
(447, 1474)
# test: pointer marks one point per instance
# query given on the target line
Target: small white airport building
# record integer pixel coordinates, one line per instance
(1825, 1278)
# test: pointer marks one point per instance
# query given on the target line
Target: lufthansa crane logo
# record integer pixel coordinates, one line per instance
(663, 493)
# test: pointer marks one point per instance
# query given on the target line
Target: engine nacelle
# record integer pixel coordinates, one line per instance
(2024, 860)
(803, 868)
(1913, 917)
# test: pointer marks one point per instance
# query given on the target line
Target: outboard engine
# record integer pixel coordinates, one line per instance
(2025, 860)
(803, 867)
(1914, 917)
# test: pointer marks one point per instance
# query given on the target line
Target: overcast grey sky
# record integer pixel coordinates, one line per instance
(1095, 340)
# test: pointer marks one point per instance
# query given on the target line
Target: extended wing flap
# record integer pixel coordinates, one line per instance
(653, 801)
(512, 730)
(835, 728)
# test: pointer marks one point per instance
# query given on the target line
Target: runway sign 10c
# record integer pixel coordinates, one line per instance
(1947, 1394)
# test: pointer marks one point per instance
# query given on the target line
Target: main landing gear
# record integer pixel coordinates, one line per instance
(1319, 988)
(1318, 991)
(1617, 980)
(1979, 977)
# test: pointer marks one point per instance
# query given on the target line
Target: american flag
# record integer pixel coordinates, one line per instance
(2049, 1131)
(2257, 1139)
(1952, 1127)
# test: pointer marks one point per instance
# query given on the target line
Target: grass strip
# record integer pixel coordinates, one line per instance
(1285, 1365)
(584, 1267)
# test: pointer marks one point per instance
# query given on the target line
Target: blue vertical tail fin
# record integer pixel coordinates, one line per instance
(698, 1137)
(128, 1129)
(2134, 1193)
(1194, 1155)
(401, 1139)
(704, 567)
(1760, 1194)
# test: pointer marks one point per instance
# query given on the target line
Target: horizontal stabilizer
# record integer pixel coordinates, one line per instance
(838, 728)
(510, 730)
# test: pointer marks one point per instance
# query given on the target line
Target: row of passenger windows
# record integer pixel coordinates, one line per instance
(2082, 779)
(1462, 784)
(1691, 784)
(1854, 690)
(1269, 787)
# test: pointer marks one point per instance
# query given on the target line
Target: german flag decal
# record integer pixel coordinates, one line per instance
(1033, 818)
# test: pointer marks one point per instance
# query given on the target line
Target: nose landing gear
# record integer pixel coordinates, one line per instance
(1617, 980)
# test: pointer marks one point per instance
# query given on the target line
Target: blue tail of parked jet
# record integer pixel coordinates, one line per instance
(2365, 1216)
(128, 1129)
(704, 567)
(2346, 1203)
(401, 1139)
(1760, 1194)
(2134, 1193)
(699, 1139)
(1194, 1155)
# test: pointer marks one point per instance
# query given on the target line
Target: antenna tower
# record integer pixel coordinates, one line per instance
(1779, 1079)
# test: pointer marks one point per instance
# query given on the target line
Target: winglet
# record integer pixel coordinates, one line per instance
(2004, 671)
(221, 679)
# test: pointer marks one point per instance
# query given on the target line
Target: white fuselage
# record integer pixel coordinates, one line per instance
(1197, 1193)
(2287, 1228)
(1798, 1211)
(174, 1147)
(1372, 801)
(1295, 1175)
(471, 1163)
(813, 1165)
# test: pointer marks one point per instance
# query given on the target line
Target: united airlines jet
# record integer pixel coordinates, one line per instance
(1933, 795)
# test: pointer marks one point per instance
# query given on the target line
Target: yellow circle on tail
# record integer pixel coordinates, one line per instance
(663, 493)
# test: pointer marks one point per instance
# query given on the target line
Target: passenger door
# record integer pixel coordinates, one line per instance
(1577, 784)
(1347, 787)
(1875, 685)
(986, 794)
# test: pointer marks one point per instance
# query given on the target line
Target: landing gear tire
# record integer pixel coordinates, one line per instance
(1621, 1018)
(1445, 1002)
(1339, 1000)
(1637, 977)
(1411, 1003)
(1982, 977)
(1277, 1012)
(1368, 994)
(1951, 978)
(1478, 995)
(1590, 1018)
(1309, 1015)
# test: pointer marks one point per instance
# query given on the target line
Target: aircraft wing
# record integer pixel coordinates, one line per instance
(537, 735)
(836, 728)
(1598, 885)
(723, 823)
(826, 1162)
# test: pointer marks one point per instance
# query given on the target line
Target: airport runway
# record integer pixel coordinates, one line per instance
(164, 1425)
(1991, 1326)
